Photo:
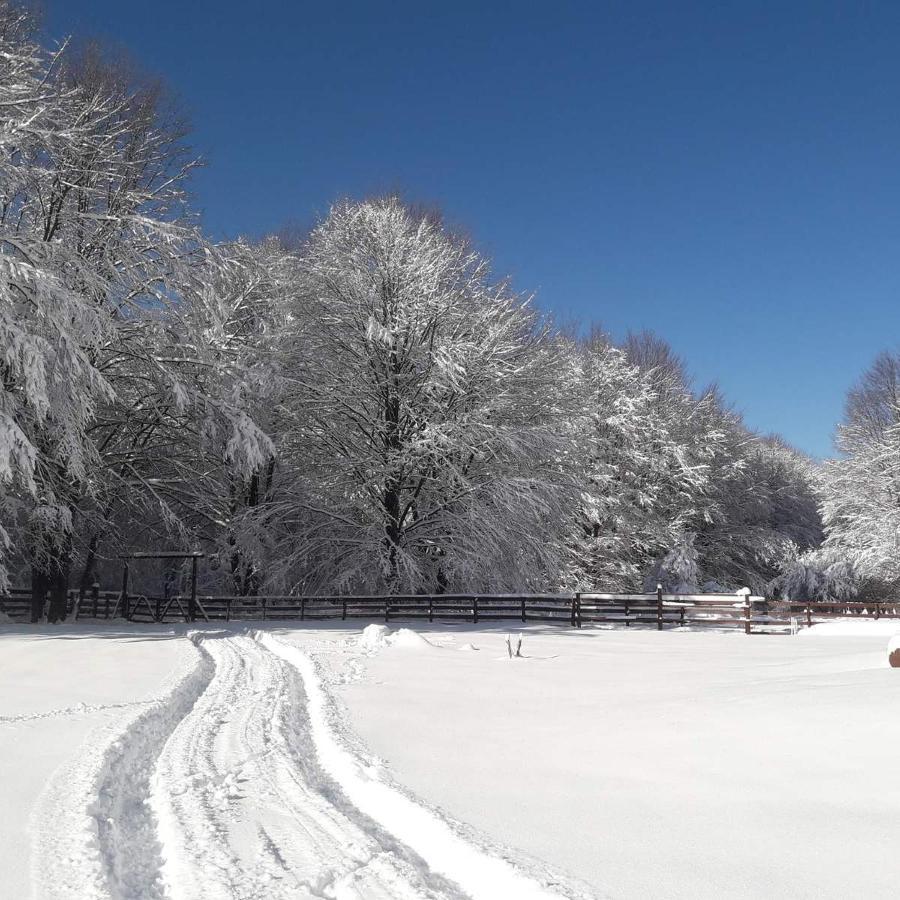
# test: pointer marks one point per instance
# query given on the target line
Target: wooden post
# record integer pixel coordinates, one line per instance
(808, 614)
(302, 608)
(344, 610)
(95, 598)
(877, 608)
(192, 603)
(387, 609)
(578, 610)
(264, 600)
(431, 607)
(747, 614)
(659, 608)
(475, 611)
(627, 620)
(125, 610)
(523, 609)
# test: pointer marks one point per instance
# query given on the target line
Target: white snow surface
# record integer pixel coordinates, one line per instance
(676, 765)
(853, 628)
(336, 762)
(220, 770)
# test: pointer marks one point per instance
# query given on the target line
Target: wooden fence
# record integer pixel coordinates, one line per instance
(754, 615)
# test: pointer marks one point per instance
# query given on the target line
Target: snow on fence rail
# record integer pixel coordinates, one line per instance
(753, 614)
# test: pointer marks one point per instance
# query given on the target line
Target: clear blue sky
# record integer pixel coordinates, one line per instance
(726, 174)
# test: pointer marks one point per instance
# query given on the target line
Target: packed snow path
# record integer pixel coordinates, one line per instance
(239, 786)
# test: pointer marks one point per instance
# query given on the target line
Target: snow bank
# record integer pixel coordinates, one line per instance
(374, 637)
(377, 637)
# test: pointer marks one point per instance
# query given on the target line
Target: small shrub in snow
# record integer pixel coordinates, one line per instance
(509, 647)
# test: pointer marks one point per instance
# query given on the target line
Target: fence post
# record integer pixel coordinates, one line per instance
(574, 598)
(627, 620)
(302, 608)
(877, 608)
(264, 599)
(808, 614)
(475, 611)
(747, 615)
(95, 598)
(431, 607)
(344, 610)
(192, 603)
(387, 608)
(228, 609)
(659, 608)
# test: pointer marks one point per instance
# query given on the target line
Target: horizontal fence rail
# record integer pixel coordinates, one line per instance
(754, 615)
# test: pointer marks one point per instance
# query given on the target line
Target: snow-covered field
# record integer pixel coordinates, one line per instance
(239, 763)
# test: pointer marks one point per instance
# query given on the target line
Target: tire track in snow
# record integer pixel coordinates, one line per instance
(126, 826)
(94, 837)
(482, 875)
(235, 786)
(245, 811)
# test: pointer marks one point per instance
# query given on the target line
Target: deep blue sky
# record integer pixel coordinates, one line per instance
(727, 174)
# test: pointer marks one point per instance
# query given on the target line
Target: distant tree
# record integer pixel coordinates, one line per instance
(639, 483)
(861, 490)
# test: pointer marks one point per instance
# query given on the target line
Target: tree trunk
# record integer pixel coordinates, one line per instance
(39, 585)
(59, 592)
(52, 578)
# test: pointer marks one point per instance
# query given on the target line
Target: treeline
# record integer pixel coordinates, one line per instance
(859, 498)
(368, 409)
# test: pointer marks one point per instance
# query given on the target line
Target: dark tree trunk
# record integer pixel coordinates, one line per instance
(39, 586)
(59, 592)
(51, 579)
(87, 573)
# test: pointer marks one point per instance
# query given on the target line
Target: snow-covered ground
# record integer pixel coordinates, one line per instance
(658, 765)
(238, 763)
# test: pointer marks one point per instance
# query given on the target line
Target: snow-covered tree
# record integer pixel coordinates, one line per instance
(99, 299)
(421, 398)
(679, 572)
(861, 489)
(639, 481)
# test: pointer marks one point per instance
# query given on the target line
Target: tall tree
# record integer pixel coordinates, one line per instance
(422, 428)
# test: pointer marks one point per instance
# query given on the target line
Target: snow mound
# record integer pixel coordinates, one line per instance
(894, 651)
(376, 637)
(406, 637)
